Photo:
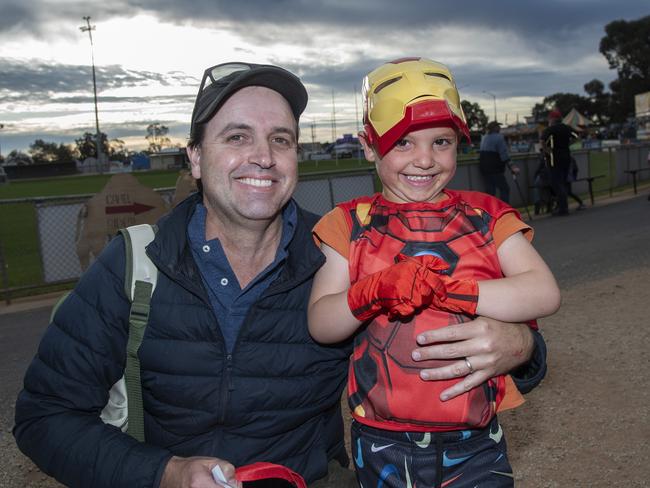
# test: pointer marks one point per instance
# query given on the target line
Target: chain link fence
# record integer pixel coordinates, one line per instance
(41, 244)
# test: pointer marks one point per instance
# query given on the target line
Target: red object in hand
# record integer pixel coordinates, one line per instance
(398, 291)
(266, 473)
(451, 294)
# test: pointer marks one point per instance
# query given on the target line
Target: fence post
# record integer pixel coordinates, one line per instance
(612, 172)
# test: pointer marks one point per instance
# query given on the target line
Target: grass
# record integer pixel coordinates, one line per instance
(79, 184)
(19, 241)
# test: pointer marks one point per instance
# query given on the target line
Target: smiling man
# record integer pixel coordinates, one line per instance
(229, 373)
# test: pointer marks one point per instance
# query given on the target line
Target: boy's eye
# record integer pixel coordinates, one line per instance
(402, 143)
(443, 141)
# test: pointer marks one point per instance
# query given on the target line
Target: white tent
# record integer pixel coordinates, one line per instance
(576, 120)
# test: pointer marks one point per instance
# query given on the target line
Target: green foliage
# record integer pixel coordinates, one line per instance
(87, 145)
(157, 137)
(626, 46)
(475, 116)
(564, 102)
(50, 152)
(18, 158)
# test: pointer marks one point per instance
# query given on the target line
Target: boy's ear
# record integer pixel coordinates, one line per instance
(366, 142)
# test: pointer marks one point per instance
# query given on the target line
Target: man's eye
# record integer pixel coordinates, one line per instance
(282, 141)
(235, 138)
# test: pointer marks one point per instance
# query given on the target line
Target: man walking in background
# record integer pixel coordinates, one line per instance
(556, 139)
(493, 159)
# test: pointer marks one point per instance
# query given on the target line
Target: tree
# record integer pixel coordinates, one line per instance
(564, 102)
(600, 100)
(18, 158)
(117, 150)
(626, 46)
(87, 145)
(475, 116)
(157, 137)
(50, 152)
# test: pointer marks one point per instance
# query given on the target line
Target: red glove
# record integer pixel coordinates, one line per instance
(399, 290)
(451, 295)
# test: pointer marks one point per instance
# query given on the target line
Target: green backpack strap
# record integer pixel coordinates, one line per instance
(139, 283)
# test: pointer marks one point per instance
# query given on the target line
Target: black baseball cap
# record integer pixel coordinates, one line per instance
(221, 81)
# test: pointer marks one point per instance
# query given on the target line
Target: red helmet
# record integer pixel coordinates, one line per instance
(409, 94)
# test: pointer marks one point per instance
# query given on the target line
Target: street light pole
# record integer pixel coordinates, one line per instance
(495, 103)
(88, 28)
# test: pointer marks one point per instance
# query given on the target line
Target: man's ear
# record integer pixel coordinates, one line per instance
(194, 155)
(366, 143)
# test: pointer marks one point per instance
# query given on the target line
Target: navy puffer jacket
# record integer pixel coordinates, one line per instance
(275, 398)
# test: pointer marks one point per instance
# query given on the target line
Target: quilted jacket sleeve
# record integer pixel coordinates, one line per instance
(81, 355)
(531, 374)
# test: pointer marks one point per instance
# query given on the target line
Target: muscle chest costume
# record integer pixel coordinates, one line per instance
(384, 387)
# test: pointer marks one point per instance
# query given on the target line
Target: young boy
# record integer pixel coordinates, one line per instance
(414, 258)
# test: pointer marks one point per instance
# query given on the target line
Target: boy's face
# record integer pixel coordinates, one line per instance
(419, 166)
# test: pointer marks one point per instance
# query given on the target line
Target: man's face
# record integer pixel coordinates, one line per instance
(419, 166)
(248, 161)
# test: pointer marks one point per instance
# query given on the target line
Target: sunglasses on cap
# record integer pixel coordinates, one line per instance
(221, 81)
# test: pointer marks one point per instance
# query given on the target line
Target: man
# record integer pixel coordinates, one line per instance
(556, 139)
(493, 159)
(229, 373)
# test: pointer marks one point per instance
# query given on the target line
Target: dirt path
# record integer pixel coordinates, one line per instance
(588, 424)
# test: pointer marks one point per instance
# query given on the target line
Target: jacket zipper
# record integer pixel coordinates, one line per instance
(226, 387)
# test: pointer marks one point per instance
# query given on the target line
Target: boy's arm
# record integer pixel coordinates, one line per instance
(336, 308)
(527, 292)
(330, 319)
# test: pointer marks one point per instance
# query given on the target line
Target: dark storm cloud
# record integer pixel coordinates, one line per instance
(38, 80)
(555, 19)
(551, 17)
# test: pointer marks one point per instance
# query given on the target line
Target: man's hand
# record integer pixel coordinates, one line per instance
(491, 348)
(196, 472)
(398, 291)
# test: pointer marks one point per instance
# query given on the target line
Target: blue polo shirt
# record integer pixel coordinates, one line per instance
(495, 142)
(229, 302)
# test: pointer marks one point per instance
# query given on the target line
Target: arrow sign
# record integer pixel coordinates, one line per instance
(135, 208)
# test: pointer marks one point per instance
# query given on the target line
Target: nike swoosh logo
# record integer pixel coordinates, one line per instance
(447, 462)
(509, 475)
(359, 459)
(408, 477)
(496, 436)
(374, 448)
(426, 440)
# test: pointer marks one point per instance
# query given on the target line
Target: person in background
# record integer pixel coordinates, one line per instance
(493, 161)
(572, 176)
(556, 140)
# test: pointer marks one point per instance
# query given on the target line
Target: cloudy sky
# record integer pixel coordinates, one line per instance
(150, 55)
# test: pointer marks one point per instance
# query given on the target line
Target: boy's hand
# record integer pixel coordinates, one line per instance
(451, 295)
(398, 291)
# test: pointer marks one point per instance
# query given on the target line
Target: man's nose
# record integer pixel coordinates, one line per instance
(261, 154)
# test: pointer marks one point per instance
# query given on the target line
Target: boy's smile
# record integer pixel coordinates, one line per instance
(419, 166)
